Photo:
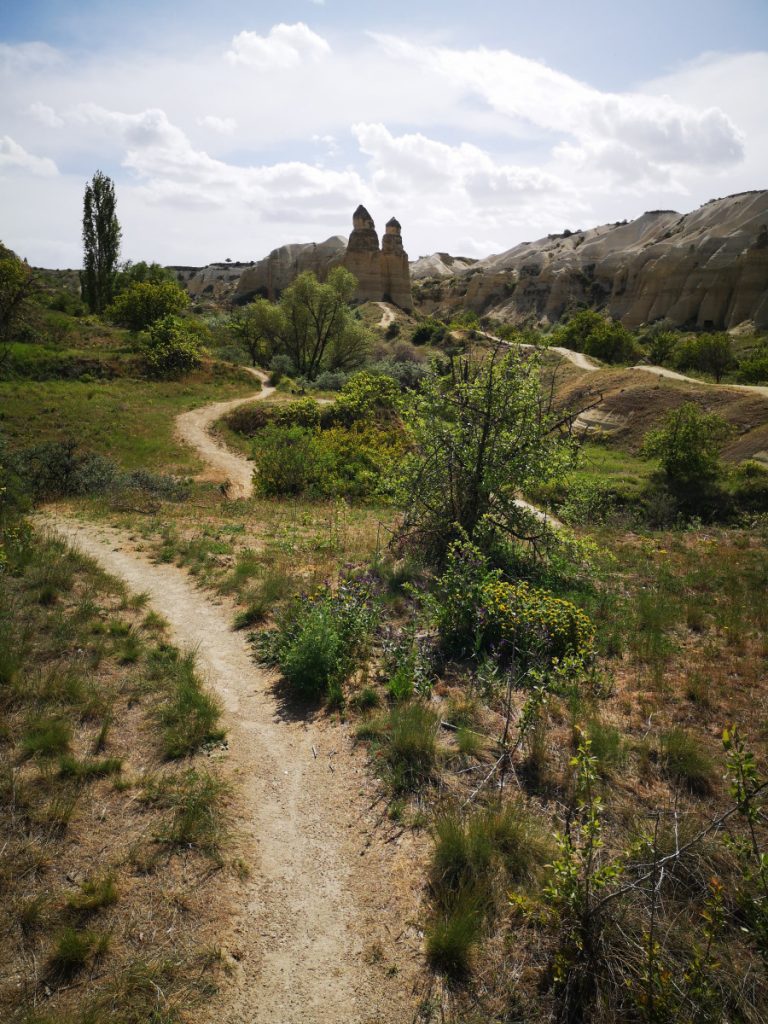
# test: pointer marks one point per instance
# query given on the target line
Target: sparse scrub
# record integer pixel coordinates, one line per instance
(685, 761)
(405, 746)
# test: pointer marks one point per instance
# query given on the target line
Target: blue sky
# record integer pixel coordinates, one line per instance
(232, 128)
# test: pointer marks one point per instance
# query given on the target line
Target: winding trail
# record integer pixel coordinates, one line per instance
(583, 362)
(387, 316)
(222, 465)
(326, 885)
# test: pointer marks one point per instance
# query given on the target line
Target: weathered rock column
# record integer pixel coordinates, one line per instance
(395, 271)
(363, 257)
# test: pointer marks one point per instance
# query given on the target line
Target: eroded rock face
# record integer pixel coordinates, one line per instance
(270, 276)
(706, 269)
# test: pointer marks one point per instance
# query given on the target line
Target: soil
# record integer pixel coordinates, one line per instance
(231, 470)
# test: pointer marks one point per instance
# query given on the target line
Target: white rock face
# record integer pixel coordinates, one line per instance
(706, 269)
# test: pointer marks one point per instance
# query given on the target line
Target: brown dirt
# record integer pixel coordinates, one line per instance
(321, 930)
(222, 465)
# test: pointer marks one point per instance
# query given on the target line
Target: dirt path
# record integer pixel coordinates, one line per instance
(662, 371)
(387, 316)
(223, 465)
(325, 886)
(585, 363)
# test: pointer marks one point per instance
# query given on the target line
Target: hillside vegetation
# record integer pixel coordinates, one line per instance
(565, 719)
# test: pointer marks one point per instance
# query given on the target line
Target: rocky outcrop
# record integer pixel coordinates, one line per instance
(439, 264)
(382, 274)
(707, 269)
(217, 281)
(268, 277)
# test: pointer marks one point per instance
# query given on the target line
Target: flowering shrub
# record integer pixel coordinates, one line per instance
(476, 609)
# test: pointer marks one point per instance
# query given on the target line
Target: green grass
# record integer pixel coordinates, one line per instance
(686, 761)
(616, 468)
(189, 715)
(74, 949)
(127, 419)
(95, 894)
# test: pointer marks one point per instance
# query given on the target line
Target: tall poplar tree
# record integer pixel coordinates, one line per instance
(101, 242)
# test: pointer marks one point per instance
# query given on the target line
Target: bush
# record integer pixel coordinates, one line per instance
(754, 370)
(285, 460)
(598, 336)
(144, 303)
(320, 640)
(687, 444)
(709, 353)
(170, 349)
(750, 487)
(476, 610)
(429, 332)
(280, 366)
(59, 469)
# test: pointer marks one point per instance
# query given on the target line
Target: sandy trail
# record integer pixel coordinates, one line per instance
(223, 465)
(662, 371)
(387, 316)
(585, 363)
(324, 884)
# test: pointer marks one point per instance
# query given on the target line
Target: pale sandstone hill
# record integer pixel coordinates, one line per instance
(706, 269)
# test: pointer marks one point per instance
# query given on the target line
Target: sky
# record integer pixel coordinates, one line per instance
(232, 128)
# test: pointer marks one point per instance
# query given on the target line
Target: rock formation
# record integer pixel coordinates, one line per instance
(270, 276)
(382, 274)
(707, 269)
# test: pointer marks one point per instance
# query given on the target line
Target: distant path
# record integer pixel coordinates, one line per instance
(585, 363)
(323, 885)
(387, 316)
(223, 465)
(662, 371)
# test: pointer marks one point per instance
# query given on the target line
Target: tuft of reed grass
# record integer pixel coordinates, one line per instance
(686, 762)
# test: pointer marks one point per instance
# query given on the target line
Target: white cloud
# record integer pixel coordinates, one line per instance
(46, 115)
(14, 157)
(657, 127)
(285, 47)
(172, 170)
(223, 125)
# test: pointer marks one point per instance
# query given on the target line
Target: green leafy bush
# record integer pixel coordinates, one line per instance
(143, 303)
(598, 336)
(687, 445)
(320, 640)
(170, 349)
(709, 353)
(476, 609)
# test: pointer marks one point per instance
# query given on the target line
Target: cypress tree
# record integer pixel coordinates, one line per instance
(101, 243)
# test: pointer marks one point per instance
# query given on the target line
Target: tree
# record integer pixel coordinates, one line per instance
(317, 324)
(143, 302)
(171, 350)
(142, 273)
(687, 445)
(18, 286)
(257, 327)
(598, 336)
(101, 243)
(312, 324)
(710, 353)
(482, 433)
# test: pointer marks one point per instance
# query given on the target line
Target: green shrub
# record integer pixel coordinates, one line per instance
(320, 640)
(477, 610)
(754, 370)
(143, 303)
(285, 460)
(708, 353)
(687, 444)
(170, 349)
